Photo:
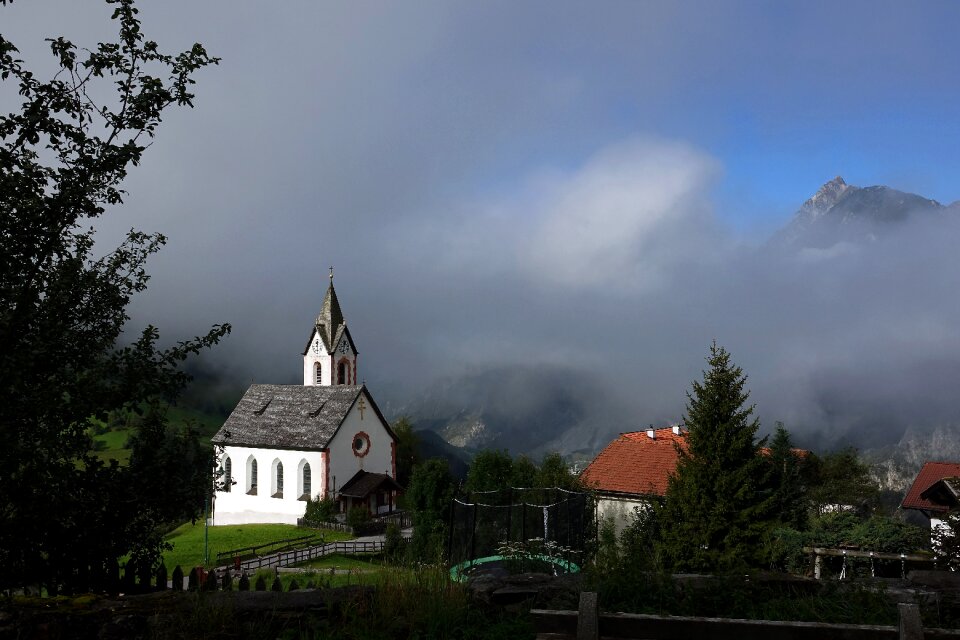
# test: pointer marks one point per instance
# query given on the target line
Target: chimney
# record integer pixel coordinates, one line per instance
(676, 429)
(652, 434)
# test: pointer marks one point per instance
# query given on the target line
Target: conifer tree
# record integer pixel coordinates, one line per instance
(715, 508)
(786, 481)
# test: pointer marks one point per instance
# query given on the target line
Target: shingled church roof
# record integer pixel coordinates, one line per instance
(280, 416)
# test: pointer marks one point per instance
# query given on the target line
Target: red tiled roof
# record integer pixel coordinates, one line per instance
(930, 474)
(635, 463)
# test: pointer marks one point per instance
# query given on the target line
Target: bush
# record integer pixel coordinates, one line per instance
(392, 541)
(358, 516)
(783, 550)
(320, 510)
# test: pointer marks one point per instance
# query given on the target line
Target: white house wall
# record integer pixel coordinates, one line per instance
(379, 459)
(619, 510)
(236, 507)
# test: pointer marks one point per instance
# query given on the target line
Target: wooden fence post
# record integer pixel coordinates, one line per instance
(588, 620)
(911, 628)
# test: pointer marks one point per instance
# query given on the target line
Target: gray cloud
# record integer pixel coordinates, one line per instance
(534, 185)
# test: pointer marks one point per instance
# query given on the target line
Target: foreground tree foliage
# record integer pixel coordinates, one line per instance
(715, 510)
(841, 481)
(65, 516)
(428, 498)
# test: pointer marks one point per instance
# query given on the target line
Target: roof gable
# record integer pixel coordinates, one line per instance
(372, 405)
(635, 463)
(363, 483)
(278, 416)
(930, 474)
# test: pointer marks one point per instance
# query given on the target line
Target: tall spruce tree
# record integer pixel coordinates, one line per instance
(716, 509)
(786, 481)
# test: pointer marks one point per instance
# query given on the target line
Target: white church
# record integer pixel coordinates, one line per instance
(286, 444)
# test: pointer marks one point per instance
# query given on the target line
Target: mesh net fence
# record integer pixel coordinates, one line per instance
(550, 521)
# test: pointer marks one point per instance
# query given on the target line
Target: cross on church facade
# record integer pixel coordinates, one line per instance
(361, 407)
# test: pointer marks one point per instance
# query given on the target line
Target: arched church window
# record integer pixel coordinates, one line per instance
(251, 476)
(317, 375)
(227, 474)
(342, 373)
(307, 482)
(277, 479)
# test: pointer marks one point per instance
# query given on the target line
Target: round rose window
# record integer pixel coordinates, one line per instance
(361, 444)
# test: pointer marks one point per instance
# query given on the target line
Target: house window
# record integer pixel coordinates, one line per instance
(307, 482)
(251, 476)
(227, 474)
(342, 373)
(317, 375)
(277, 480)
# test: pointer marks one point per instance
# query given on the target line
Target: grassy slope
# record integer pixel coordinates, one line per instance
(187, 540)
(115, 441)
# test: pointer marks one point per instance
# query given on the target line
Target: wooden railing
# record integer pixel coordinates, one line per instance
(271, 547)
(296, 556)
(589, 624)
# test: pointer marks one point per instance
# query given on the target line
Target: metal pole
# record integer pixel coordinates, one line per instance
(206, 535)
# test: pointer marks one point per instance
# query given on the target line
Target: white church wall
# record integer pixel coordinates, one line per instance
(379, 459)
(317, 353)
(236, 507)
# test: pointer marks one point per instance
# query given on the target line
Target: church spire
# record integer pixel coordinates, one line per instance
(331, 317)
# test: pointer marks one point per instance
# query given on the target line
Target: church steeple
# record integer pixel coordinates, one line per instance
(331, 317)
(330, 357)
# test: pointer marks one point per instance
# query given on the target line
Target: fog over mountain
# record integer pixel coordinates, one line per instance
(852, 341)
(849, 341)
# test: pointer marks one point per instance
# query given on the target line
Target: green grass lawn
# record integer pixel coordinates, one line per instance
(361, 572)
(339, 561)
(187, 540)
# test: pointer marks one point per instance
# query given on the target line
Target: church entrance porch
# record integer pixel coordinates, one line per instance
(377, 492)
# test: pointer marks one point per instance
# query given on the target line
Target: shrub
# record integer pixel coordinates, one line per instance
(783, 550)
(358, 516)
(392, 541)
(320, 510)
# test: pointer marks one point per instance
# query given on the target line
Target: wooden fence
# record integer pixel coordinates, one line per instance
(376, 526)
(296, 556)
(589, 624)
(279, 545)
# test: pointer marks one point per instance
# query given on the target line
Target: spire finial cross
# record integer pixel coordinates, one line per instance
(331, 275)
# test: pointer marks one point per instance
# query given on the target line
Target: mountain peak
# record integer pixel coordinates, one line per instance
(822, 201)
(836, 182)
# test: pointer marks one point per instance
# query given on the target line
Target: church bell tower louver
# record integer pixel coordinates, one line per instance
(330, 357)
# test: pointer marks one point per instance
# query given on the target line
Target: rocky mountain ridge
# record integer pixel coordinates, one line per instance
(840, 212)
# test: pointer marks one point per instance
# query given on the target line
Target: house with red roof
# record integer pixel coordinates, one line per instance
(632, 470)
(635, 468)
(935, 492)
